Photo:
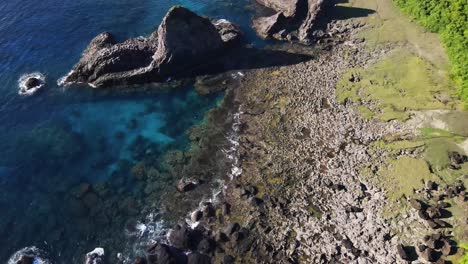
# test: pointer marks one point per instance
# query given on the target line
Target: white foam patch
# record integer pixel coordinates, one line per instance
(33, 251)
(23, 90)
(61, 81)
(151, 231)
(233, 152)
(213, 199)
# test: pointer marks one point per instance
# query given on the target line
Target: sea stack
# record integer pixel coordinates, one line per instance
(182, 43)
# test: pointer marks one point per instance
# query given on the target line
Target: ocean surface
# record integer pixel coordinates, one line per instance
(70, 157)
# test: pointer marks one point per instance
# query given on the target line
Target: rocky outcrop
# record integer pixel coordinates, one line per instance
(32, 82)
(231, 34)
(307, 26)
(181, 43)
(184, 38)
(266, 27)
(289, 8)
(295, 19)
(95, 257)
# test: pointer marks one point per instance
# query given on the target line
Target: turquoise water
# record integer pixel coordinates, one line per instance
(66, 155)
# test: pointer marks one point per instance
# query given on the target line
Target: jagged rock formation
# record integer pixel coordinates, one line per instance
(294, 19)
(181, 43)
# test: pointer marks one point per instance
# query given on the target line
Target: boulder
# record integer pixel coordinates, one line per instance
(433, 243)
(417, 204)
(291, 16)
(209, 210)
(206, 246)
(184, 39)
(266, 27)
(32, 82)
(163, 254)
(197, 258)
(180, 44)
(434, 212)
(180, 236)
(431, 186)
(307, 26)
(423, 214)
(446, 248)
(25, 260)
(196, 216)
(402, 252)
(289, 8)
(230, 33)
(457, 158)
(186, 185)
(432, 224)
(429, 255)
(95, 257)
(183, 237)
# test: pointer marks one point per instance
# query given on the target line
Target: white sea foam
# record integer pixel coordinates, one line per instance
(39, 255)
(152, 230)
(213, 199)
(23, 90)
(61, 81)
(233, 152)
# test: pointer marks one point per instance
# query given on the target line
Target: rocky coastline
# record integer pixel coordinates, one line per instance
(301, 195)
(293, 186)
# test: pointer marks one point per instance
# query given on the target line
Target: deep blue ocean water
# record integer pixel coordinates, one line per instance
(55, 142)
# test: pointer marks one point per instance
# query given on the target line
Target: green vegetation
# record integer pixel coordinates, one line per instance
(404, 175)
(449, 18)
(429, 132)
(398, 83)
(464, 259)
(401, 175)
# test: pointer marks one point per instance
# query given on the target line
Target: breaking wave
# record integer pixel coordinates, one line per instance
(38, 256)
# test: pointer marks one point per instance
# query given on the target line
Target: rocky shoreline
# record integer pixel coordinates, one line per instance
(293, 188)
(300, 185)
(301, 196)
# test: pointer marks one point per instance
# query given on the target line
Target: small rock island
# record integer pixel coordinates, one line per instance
(179, 46)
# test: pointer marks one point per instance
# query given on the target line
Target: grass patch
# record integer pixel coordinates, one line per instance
(464, 259)
(399, 145)
(398, 83)
(402, 176)
(437, 150)
(429, 132)
(365, 112)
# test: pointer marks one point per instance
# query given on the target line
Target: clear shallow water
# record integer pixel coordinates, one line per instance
(56, 142)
